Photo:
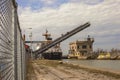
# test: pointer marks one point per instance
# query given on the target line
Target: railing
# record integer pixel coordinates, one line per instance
(12, 51)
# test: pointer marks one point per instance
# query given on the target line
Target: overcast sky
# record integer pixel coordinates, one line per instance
(61, 16)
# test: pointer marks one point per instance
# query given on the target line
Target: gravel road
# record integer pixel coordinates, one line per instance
(55, 70)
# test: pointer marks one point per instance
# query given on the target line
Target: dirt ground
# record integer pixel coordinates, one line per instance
(56, 70)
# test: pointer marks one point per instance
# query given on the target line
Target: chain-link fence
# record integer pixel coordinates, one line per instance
(12, 51)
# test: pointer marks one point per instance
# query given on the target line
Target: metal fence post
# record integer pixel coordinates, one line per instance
(15, 47)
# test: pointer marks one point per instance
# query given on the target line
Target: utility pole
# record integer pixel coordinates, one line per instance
(30, 36)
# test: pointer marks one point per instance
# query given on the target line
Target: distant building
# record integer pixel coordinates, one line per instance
(81, 49)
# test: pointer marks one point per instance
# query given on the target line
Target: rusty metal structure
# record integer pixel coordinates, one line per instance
(81, 49)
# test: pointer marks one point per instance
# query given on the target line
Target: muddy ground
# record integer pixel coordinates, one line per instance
(56, 70)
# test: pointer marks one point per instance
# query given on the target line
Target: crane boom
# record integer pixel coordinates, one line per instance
(62, 38)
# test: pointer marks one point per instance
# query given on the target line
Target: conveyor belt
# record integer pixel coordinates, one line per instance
(62, 38)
